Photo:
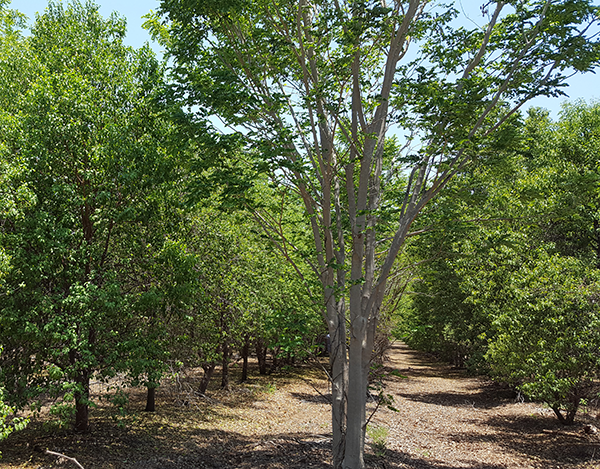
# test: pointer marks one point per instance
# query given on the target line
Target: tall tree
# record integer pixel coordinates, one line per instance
(85, 129)
(13, 197)
(14, 54)
(317, 87)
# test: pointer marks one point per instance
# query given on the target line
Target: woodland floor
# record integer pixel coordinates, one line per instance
(445, 420)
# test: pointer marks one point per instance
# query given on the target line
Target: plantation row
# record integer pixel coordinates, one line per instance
(290, 177)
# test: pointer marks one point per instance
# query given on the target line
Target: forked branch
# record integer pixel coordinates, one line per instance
(60, 455)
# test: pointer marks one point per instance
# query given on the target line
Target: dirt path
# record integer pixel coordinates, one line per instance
(447, 419)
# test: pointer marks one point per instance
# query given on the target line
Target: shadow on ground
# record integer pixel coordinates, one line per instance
(312, 398)
(180, 436)
(541, 438)
(482, 397)
(162, 447)
(159, 448)
(154, 444)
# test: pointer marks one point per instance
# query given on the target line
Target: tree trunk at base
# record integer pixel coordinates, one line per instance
(356, 413)
(150, 399)
(275, 362)
(568, 418)
(82, 403)
(81, 417)
(245, 353)
(261, 356)
(208, 372)
(339, 382)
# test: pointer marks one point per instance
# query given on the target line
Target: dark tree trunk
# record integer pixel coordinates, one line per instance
(275, 361)
(209, 369)
(566, 419)
(150, 399)
(82, 396)
(245, 352)
(261, 356)
(225, 367)
(82, 392)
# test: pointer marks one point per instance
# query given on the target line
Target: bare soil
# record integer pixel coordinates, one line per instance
(444, 419)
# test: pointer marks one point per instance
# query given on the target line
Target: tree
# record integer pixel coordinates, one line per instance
(244, 294)
(514, 274)
(548, 336)
(316, 88)
(84, 128)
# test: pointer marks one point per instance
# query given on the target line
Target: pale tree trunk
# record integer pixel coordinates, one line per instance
(353, 294)
(357, 393)
(339, 376)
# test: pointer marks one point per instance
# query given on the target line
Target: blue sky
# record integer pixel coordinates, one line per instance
(580, 86)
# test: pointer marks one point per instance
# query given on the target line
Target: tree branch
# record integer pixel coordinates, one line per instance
(73, 460)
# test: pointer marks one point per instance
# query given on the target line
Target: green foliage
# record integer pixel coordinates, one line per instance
(465, 258)
(84, 145)
(270, 388)
(379, 436)
(244, 290)
(512, 285)
(548, 336)
(9, 423)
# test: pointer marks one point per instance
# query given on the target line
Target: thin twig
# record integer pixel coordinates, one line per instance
(53, 453)
(324, 396)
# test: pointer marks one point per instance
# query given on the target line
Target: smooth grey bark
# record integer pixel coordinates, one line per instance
(339, 375)
(322, 108)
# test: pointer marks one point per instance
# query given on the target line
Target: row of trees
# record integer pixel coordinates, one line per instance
(335, 135)
(366, 110)
(105, 269)
(512, 285)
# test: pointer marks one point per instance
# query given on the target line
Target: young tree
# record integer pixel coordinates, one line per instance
(85, 128)
(547, 337)
(317, 87)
